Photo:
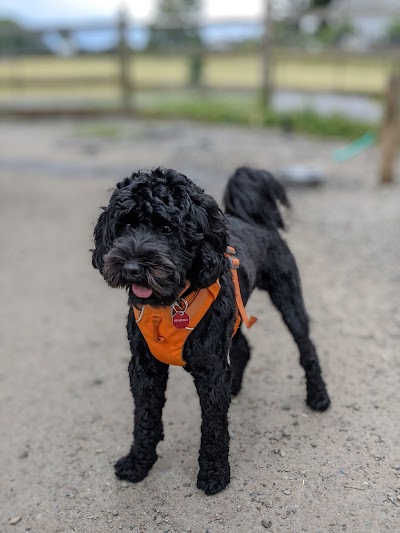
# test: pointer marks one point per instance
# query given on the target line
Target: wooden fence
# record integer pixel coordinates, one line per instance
(128, 86)
(272, 62)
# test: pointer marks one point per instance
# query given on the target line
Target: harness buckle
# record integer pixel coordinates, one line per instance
(233, 262)
(230, 255)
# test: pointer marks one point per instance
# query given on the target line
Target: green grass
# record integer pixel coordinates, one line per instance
(243, 110)
(238, 110)
(311, 123)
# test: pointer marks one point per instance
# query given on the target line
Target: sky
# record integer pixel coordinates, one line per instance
(49, 11)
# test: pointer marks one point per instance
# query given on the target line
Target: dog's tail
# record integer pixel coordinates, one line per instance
(253, 195)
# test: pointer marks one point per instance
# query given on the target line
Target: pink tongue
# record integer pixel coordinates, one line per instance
(141, 292)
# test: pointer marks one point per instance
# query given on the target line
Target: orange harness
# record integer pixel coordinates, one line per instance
(166, 329)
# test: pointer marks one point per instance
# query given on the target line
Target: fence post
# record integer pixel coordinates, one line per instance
(123, 57)
(390, 129)
(266, 55)
(196, 60)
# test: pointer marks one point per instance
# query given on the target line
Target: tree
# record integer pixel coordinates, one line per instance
(15, 39)
(176, 24)
(178, 11)
(394, 32)
(319, 3)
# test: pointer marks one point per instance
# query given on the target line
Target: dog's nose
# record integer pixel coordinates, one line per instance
(132, 270)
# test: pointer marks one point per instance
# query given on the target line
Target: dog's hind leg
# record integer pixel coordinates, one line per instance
(282, 281)
(239, 355)
(148, 382)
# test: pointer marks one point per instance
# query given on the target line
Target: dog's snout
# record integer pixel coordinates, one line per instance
(132, 269)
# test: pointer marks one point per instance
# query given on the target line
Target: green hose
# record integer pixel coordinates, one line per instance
(355, 148)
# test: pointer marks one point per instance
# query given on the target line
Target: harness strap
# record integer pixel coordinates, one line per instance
(234, 264)
(156, 335)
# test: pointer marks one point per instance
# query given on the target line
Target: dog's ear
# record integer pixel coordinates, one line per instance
(207, 266)
(105, 230)
(211, 226)
(102, 239)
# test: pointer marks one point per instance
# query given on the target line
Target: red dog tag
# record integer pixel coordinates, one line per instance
(180, 319)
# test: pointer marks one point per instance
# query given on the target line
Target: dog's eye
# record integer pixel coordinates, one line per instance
(166, 229)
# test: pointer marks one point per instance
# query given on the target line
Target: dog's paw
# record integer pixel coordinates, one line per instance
(130, 468)
(318, 400)
(211, 482)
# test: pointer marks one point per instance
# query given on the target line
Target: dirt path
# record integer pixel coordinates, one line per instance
(65, 406)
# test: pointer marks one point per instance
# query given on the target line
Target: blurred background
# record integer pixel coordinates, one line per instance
(318, 66)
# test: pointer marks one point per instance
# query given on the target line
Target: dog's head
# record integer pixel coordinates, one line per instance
(158, 231)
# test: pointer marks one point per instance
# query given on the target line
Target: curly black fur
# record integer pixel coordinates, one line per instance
(160, 230)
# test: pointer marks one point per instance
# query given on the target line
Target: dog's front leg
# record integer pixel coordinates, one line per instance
(148, 382)
(213, 385)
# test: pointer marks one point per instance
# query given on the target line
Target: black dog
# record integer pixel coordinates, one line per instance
(159, 232)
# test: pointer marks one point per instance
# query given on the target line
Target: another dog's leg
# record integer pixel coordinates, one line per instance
(240, 355)
(148, 381)
(214, 388)
(282, 281)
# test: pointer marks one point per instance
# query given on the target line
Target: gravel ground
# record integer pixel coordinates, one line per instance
(65, 405)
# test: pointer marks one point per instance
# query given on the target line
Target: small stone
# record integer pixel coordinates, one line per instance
(266, 523)
(15, 520)
(287, 492)
(302, 176)
(282, 453)
(115, 513)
